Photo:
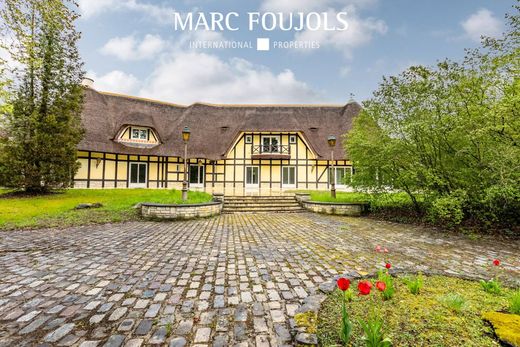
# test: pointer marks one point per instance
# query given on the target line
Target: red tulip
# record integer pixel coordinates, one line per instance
(496, 262)
(343, 283)
(378, 248)
(381, 286)
(388, 265)
(364, 287)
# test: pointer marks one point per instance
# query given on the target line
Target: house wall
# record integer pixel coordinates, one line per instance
(111, 170)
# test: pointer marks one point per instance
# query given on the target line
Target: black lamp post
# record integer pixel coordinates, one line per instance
(185, 137)
(332, 143)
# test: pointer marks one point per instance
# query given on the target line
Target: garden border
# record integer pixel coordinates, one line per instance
(181, 211)
(352, 209)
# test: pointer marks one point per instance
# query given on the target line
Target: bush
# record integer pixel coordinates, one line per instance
(447, 210)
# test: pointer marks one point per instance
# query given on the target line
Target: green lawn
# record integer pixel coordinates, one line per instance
(57, 210)
(427, 319)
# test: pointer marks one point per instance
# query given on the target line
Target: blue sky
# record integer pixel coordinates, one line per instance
(131, 47)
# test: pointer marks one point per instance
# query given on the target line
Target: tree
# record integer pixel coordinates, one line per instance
(43, 127)
(448, 133)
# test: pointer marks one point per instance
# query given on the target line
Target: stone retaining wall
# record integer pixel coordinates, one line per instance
(342, 209)
(160, 211)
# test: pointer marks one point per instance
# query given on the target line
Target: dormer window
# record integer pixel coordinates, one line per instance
(138, 136)
(140, 133)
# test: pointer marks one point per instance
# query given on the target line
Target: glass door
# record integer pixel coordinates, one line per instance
(270, 144)
(138, 173)
(288, 176)
(196, 175)
(252, 176)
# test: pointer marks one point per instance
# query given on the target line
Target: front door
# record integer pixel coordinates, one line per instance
(196, 176)
(138, 173)
(252, 176)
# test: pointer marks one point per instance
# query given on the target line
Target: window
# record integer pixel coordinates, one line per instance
(343, 176)
(139, 134)
(138, 175)
(196, 175)
(249, 139)
(270, 144)
(288, 176)
(292, 139)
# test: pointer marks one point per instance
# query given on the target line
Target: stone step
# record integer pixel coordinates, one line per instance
(259, 198)
(263, 208)
(274, 202)
(264, 211)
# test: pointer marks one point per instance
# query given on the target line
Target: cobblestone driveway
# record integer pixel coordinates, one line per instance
(231, 280)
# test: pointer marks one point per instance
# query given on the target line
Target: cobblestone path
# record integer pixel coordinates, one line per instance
(231, 280)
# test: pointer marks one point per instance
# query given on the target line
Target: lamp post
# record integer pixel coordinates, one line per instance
(185, 137)
(332, 143)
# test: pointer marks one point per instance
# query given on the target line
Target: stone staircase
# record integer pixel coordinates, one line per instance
(261, 204)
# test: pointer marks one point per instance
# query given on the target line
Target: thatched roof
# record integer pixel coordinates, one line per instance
(214, 128)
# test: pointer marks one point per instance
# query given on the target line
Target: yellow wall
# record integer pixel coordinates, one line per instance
(167, 172)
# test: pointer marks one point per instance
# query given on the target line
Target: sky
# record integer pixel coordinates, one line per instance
(132, 47)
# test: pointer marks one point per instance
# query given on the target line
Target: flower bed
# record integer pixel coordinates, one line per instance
(353, 209)
(395, 309)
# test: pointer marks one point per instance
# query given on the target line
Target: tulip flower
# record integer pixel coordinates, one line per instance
(343, 283)
(388, 265)
(364, 287)
(381, 286)
(496, 262)
(378, 248)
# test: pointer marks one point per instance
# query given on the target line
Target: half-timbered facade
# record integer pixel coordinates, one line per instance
(137, 143)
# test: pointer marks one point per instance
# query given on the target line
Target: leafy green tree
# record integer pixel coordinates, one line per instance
(43, 126)
(449, 134)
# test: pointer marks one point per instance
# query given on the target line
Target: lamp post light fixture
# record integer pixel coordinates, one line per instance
(332, 143)
(185, 137)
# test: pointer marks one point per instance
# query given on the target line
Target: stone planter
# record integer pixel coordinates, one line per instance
(162, 211)
(353, 209)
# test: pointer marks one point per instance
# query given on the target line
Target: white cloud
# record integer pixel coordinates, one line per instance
(188, 77)
(128, 48)
(160, 13)
(115, 81)
(482, 23)
(311, 5)
(360, 31)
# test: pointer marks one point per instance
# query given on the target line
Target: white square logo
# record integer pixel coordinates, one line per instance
(262, 44)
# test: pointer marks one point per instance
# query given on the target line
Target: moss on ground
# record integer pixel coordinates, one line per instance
(420, 320)
(507, 326)
(308, 320)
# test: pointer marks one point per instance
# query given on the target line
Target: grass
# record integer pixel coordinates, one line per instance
(57, 210)
(514, 303)
(420, 320)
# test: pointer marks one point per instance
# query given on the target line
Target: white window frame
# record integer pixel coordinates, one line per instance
(249, 139)
(140, 129)
(292, 139)
(287, 168)
(252, 185)
(277, 137)
(199, 168)
(340, 184)
(139, 184)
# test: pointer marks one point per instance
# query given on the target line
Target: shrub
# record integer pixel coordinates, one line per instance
(447, 210)
(514, 303)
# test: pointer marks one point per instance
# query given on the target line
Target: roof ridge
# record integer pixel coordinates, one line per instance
(215, 104)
